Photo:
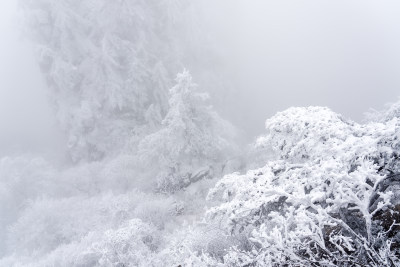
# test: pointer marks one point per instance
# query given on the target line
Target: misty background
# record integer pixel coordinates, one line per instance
(25, 114)
(275, 54)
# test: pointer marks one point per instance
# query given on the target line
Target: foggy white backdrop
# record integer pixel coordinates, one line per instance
(340, 54)
(25, 116)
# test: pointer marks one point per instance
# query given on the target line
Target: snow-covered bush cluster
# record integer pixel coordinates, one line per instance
(321, 201)
(153, 176)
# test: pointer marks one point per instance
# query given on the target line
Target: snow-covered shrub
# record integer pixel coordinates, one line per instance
(31, 178)
(132, 244)
(103, 230)
(195, 245)
(313, 205)
(48, 223)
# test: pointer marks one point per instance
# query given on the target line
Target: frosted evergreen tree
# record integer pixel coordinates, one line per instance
(108, 65)
(193, 136)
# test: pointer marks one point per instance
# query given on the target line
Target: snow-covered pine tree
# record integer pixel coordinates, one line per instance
(108, 65)
(193, 139)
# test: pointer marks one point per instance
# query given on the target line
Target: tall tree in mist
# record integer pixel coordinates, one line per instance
(192, 137)
(108, 65)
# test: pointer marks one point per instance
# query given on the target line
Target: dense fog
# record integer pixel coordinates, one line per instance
(273, 54)
(344, 55)
(199, 133)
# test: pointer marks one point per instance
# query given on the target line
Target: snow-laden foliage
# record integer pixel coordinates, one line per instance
(193, 137)
(145, 152)
(328, 198)
(30, 177)
(109, 65)
(106, 213)
(320, 202)
(391, 111)
(102, 230)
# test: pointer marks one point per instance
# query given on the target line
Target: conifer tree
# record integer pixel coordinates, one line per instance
(108, 65)
(192, 136)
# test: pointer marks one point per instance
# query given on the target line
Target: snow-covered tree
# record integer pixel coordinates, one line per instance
(390, 111)
(108, 65)
(192, 138)
(321, 202)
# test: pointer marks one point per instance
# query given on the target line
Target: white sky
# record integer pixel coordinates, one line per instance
(344, 54)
